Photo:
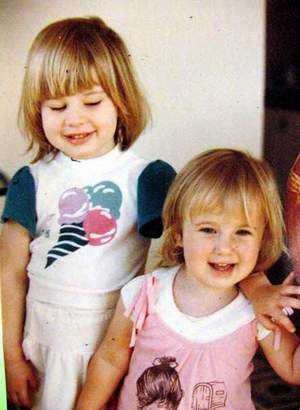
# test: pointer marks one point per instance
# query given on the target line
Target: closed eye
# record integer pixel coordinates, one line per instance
(61, 108)
(244, 232)
(93, 103)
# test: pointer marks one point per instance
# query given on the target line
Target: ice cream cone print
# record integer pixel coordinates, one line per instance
(88, 216)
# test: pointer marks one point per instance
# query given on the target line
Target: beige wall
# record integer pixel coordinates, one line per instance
(201, 63)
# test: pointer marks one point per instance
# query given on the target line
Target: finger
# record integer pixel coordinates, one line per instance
(266, 321)
(287, 301)
(290, 290)
(285, 322)
(13, 397)
(24, 398)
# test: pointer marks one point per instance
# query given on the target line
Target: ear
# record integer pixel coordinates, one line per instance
(178, 239)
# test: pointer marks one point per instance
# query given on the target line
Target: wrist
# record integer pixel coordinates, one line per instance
(13, 356)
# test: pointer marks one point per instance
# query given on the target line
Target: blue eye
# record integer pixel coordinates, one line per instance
(243, 232)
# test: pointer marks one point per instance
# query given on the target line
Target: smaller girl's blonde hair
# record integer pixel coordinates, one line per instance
(74, 54)
(223, 179)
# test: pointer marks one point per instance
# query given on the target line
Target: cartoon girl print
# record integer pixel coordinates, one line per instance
(159, 386)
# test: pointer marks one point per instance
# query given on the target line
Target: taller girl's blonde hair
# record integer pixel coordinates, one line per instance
(74, 54)
(223, 179)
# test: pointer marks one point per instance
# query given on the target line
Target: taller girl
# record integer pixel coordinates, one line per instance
(73, 219)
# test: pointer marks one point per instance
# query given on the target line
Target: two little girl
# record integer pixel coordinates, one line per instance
(77, 223)
(184, 335)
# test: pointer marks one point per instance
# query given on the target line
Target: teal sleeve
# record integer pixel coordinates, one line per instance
(153, 185)
(20, 201)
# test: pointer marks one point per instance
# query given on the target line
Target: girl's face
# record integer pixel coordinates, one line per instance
(221, 249)
(82, 125)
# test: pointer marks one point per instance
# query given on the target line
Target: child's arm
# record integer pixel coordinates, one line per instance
(14, 252)
(286, 360)
(268, 300)
(109, 364)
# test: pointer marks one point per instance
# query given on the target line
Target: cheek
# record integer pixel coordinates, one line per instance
(48, 123)
(110, 117)
(195, 251)
(250, 253)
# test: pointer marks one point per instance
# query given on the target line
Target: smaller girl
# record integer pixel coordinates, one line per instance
(222, 221)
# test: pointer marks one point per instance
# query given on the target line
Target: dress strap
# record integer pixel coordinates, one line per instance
(142, 305)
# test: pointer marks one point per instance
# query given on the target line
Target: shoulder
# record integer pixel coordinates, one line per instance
(132, 288)
(157, 171)
(20, 200)
(230, 318)
(23, 174)
(21, 185)
(153, 185)
(242, 307)
(131, 159)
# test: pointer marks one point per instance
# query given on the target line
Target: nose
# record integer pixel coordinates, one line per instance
(74, 116)
(225, 244)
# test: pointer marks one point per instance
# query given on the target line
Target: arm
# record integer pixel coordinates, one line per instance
(109, 363)
(286, 360)
(14, 253)
(268, 300)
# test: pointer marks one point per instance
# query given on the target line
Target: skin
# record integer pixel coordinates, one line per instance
(220, 250)
(83, 125)
(20, 375)
(229, 249)
(269, 300)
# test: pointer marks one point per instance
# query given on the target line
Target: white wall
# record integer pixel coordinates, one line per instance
(201, 63)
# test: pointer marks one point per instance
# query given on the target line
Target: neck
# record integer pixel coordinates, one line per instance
(194, 299)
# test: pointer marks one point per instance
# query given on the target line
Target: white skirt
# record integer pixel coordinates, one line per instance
(59, 342)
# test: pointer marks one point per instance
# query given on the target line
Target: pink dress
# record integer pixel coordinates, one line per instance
(168, 371)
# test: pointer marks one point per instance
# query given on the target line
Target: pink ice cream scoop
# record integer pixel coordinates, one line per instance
(100, 227)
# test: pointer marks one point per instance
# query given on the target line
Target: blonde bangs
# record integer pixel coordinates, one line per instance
(62, 71)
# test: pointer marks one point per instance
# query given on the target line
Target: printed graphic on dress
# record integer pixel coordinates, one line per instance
(159, 386)
(88, 216)
(209, 396)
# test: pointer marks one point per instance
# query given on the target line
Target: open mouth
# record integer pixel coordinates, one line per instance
(222, 267)
(79, 138)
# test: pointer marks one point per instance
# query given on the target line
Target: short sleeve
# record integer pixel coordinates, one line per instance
(153, 185)
(20, 200)
(131, 289)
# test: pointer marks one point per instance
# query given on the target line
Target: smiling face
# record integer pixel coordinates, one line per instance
(82, 125)
(220, 249)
